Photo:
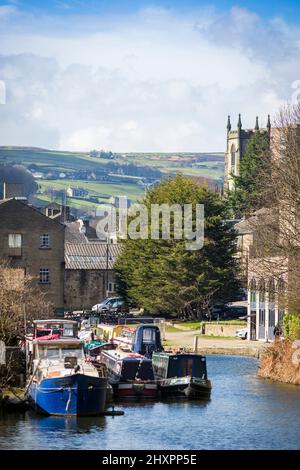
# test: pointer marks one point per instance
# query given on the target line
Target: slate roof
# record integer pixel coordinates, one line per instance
(91, 255)
(73, 233)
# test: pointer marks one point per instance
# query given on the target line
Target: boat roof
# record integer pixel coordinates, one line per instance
(109, 327)
(124, 355)
(58, 342)
(54, 320)
(176, 354)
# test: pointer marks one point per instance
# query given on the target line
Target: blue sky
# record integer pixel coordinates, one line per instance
(140, 76)
(289, 9)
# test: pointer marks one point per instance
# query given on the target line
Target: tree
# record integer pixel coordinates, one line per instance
(247, 195)
(20, 301)
(166, 278)
(277, 233)
(17, 174)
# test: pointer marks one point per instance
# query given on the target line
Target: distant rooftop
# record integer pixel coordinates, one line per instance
(91, 255)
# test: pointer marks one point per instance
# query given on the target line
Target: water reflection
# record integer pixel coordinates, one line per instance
(68, 424)
(244, 412)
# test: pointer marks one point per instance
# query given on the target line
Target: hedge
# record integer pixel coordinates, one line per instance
(291, 326)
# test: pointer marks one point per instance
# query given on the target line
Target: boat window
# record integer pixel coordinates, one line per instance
(50, 352)
(53, 353)
(71, 351)
(41, 333)
(68, 330)
(148, 336)
(127, 334)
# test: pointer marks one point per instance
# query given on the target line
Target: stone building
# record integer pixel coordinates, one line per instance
(268, 277)
(34, 242)
(89, 273)
(236, 145)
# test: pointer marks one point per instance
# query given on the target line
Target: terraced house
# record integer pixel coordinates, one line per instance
(35, 243)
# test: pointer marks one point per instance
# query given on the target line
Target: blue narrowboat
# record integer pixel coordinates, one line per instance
(62, 382)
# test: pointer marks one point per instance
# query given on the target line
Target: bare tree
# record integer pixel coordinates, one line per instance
(21, 301)
(277, 228)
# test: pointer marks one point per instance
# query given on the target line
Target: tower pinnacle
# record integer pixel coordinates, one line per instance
(239, 124)
(228, 124)
(269, 124)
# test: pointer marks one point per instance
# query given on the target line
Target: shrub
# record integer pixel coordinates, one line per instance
(291, 326)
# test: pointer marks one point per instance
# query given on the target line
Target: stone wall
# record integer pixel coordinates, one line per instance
(86, 287)
(221, 330)
(19, 218)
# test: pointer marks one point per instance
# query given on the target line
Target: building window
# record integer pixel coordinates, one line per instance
(253, 310)
(44, 276)
(111, 287)
(15, 240)
(281, 302)
(271, 308)
(262, 312)
(232, 158)
(253, 297)
(262, 307)
(45, 240)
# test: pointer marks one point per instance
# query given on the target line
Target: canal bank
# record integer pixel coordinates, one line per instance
(215, 345)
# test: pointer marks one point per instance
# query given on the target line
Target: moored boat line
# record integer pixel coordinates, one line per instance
(71, 376)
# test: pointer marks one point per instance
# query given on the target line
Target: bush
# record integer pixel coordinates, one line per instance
(291, 326)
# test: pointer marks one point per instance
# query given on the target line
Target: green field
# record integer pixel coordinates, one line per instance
(132, 191)
(209, 165)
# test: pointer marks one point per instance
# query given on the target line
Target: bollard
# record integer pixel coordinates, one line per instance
(195, 344)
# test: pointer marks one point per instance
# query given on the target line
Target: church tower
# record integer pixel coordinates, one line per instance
(236, 145)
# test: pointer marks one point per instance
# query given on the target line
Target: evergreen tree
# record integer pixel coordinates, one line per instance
(163, 276)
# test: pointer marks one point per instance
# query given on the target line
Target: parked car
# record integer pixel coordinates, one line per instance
(106, 304)
(242, 333)
(228, 312)
(120, 306)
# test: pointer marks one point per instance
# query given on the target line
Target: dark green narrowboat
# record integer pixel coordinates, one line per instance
(181, 375)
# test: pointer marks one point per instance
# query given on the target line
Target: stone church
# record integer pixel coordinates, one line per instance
(265, 286)
(236, 145)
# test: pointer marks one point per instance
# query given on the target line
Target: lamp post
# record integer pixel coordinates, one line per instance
(107, 256)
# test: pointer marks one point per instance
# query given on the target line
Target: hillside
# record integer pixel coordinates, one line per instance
(104, 174)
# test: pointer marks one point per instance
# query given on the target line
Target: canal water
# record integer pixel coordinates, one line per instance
(245, 412)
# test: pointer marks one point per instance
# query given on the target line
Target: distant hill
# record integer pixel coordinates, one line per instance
(118, 174)
(69, 161)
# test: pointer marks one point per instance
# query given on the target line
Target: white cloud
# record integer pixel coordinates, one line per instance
(150, 81)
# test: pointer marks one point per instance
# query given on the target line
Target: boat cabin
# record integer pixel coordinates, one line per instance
(147, 340)
(167, 365)
(57, 349)
(61, 328)
(56, 358)
(128, 367)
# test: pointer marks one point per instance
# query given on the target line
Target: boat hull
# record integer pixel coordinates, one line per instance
(185, 387)
(136, 391)
(76, 394)
(130, 376)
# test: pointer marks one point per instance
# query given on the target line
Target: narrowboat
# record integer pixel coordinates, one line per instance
(62, 382)
(48, 329)
(129, 367)
(181, 375)
(59, 327)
